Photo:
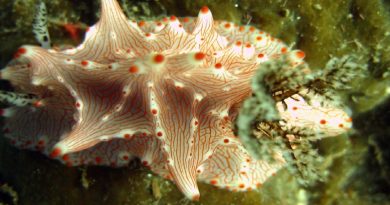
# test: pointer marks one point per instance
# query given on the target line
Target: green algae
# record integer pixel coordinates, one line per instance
(323, 29)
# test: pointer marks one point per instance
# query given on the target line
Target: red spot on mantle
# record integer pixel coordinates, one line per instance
(218, 65)
(204, 9)
(133, 69)
(199, 56)
(55, 153)
(300, 54)
(145, 163)
(65, 157)
(141, 23)
(158, 58)
(173, 18)
(126, 136)
(84, 63)
(22, 50)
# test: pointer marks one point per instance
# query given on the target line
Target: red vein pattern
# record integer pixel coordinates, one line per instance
(164, 91)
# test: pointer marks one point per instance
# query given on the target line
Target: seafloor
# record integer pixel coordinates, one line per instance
(358, 163)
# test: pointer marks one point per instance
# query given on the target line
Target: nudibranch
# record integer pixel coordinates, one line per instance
(166, 92)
